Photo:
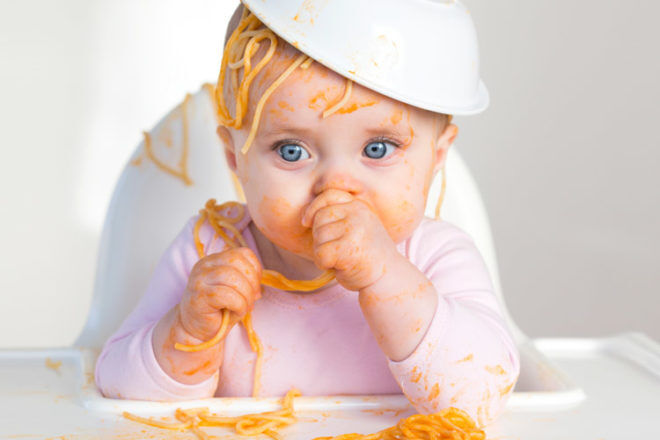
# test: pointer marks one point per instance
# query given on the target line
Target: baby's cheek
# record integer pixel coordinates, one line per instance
(279, 220)
(399, 216)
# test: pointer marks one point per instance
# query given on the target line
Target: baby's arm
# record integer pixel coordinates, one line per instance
(128, 366)
(465, 356)
(435, 316)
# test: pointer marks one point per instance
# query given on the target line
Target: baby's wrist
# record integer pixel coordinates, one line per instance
(397, 270)
(184, 367)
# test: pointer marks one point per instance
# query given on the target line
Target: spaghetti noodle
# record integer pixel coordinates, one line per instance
(342, 101)
(441, 198)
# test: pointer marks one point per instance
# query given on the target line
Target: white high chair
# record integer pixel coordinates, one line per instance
(150, 206)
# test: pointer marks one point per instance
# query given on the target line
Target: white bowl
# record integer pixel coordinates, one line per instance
(422, 52)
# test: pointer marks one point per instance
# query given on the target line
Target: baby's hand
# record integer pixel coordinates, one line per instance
(350, 238)
(227, 280)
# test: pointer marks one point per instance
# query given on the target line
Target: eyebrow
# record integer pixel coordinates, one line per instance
(389, 128)
(301, 130)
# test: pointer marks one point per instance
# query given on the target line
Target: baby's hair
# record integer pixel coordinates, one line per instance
(242, 41)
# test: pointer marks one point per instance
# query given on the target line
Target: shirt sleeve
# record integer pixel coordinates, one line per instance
(127, 367)
(467, 358)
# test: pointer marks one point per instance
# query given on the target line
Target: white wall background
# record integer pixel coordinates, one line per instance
(566, 156)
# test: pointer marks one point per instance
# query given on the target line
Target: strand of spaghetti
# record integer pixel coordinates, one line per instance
(255, 345)
(248, 427)
(238, 187)
(186, 416)
(272, 434)
(217, 220)
(218, 230)
(211, 342)
(198, 243)
(212, 208)
(443, 188)
(307, 63)
(275, 279)
(441, 198)
(245, 35)
(260, 105)
(254, 424)
(156, 423)
(232, 228)
(342, 101)
(283, 415)
(238, 64)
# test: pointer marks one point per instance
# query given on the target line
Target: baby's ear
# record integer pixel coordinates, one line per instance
(444, 142)
(228, 146)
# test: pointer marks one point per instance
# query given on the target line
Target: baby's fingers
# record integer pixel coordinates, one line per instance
(225, 297)
(232, 277)
(326, 198)
(326, 255)
(241, 259)
(328, 232)
(200, 312)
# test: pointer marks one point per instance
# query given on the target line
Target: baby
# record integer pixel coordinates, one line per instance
(411, 308)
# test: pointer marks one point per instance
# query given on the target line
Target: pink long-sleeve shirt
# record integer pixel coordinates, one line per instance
(321, 343)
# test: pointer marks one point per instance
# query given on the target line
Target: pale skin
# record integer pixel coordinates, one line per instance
(336, 193)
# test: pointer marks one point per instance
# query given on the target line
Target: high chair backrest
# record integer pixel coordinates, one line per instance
(172, 173)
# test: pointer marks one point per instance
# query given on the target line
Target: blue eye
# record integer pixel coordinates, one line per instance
(378, 149)
(292, 152)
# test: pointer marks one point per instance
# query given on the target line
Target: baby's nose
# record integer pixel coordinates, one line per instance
(336, 179)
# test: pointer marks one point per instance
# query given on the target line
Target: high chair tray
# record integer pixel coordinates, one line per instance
(606, 388)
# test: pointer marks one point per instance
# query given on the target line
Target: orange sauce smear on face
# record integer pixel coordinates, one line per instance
(396, 117)
(286, 106)
(355, 106)
(314, 103)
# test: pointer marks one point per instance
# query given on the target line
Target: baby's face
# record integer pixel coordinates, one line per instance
(381, 151)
